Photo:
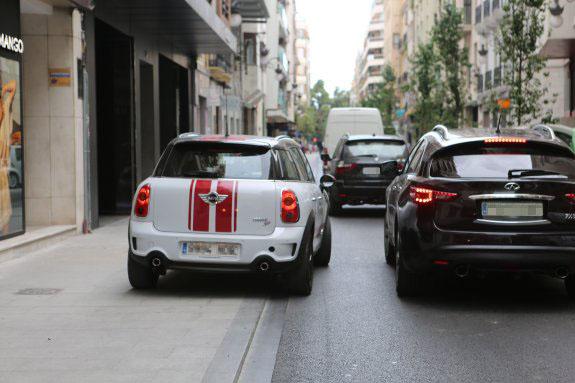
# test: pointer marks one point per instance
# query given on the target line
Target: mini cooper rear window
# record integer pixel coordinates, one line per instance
(497, 162)
(385, 149)
(218, 160)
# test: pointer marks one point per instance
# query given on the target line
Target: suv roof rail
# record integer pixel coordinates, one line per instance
(442, 131)
(545, 130)
(283, 137)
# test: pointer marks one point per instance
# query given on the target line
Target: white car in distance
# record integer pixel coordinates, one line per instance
(231, 204)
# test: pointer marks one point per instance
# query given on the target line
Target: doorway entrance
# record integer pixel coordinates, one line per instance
(115, 133)
(174, 101)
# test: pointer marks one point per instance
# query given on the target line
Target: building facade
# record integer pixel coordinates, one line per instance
(371, 59)
(303, 66)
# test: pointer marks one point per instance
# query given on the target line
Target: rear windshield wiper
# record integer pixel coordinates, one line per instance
(521, 173)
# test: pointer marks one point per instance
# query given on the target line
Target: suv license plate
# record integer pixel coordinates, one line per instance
(211, 249)
(512, 209)
(371, 171)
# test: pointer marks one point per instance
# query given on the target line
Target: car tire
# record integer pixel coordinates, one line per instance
(141, 276)
(389, 251)
(300, 280)
(570, 286)
(335, 208)
(323, 255)
(406, 282)
(13, 181)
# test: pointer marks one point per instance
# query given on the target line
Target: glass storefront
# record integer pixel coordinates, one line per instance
(11, 157)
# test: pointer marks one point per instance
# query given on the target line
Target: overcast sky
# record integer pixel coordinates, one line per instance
(337, 29)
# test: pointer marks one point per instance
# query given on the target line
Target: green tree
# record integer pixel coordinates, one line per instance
(517, 44)
(426, 87)
(322, 103)
(340, 98)
(307, 121)
(384, 98)
(447, 35)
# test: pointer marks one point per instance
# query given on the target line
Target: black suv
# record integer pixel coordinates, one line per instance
(363, 167)
(481, 200)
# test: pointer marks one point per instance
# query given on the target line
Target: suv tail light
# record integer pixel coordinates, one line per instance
(142, 202)
(290, 207)
(570, 197)
(343, 168)
(426, 196)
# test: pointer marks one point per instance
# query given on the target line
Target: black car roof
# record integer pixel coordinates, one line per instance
(449, 137)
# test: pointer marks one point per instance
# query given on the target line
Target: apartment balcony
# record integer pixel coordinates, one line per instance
(251, 9)
(189, 26)
(488, 15)
(220, 70)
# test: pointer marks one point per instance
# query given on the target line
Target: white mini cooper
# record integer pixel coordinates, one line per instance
(236, 203)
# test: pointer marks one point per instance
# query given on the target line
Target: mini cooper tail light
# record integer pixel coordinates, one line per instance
(425, 196)
(290, 207)
(142, 202)
(343, 168)
(505, 140)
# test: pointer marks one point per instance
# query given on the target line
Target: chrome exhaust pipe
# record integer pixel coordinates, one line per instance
(562, 272)
(156, 262)
(264, 266)
(462, 271)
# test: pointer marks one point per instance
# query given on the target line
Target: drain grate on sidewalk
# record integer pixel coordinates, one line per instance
(37, 291)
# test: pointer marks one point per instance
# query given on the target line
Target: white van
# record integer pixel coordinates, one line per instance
(352, 121)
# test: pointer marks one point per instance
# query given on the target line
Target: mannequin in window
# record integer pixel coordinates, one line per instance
(7, 93)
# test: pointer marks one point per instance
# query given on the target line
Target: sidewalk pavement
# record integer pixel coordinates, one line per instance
(68, 314)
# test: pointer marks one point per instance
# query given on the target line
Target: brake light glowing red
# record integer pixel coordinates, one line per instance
(290, 207)
(142, 202)
(425, 196)
(505, 140)
(570, 196)
(344, 168)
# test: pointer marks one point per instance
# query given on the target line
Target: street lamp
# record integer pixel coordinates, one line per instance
(556, 11)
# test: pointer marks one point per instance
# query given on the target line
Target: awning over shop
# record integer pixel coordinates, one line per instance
(191, 26)
(251, 9)
(278, 116)
(253, 99)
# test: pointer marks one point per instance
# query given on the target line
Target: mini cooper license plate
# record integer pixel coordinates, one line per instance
(371, 171)
(211, 249)
(511, 210)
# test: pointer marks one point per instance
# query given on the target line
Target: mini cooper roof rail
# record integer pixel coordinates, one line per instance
(442, 131)
(545, 131)
(282, 137)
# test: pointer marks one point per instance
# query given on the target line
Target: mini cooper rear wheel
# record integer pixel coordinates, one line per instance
(570, 286)
(300, 280)
(141, 276)
(323, 256)
(406, 282)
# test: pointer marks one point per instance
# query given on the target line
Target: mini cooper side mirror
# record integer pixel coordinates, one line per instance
(327, 181)
(325, 157)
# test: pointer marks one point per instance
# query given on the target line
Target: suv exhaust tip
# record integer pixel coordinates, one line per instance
(462, 271)
(562, 272)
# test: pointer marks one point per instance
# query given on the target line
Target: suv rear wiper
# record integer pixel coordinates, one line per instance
(520, 173)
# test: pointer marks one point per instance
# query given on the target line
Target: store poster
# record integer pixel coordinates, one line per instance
(11, 169)
(11, 130)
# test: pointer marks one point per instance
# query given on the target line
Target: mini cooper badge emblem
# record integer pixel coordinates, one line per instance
(213, 198)
(512, 186)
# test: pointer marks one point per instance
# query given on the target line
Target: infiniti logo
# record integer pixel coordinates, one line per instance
(512, 186)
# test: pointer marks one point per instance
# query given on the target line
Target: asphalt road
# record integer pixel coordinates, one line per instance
(353, 328)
